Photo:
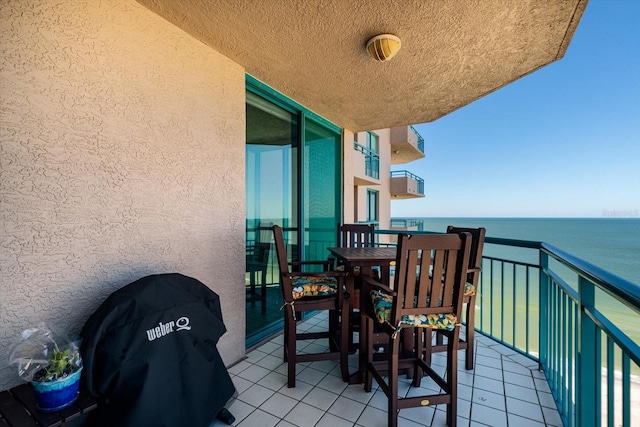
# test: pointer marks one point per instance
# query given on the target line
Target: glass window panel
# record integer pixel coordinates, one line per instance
(372, 205)
(322, 172)
(372, 142)
(297, 189)
(271, 198)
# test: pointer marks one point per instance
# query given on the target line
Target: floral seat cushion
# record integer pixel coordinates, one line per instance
(382, 307)
(310, 286)
(469, 290)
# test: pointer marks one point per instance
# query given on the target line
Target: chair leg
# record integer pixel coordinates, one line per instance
(392, 377)
(344, 341)
(290, 351)
(366, 336)
(420, 349)
(285, 347)
(428, 343)
(263, 291)
(469, 333)
(452, 376)
(335, 325)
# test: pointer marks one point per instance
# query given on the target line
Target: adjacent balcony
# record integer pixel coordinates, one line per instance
(407, 224)
(366, 168)
(407, 145)
(405, 185)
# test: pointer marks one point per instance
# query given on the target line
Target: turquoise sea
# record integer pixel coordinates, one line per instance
(612, 244)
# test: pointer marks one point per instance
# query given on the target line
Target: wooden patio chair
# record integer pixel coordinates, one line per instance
(427, 293)
(355, 236)
(473, 277)
(312, 291)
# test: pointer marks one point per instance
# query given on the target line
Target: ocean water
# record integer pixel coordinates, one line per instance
(612, 244)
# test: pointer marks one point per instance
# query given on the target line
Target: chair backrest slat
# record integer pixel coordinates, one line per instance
(431, 273)
(475, 254)
(424, 282)
(283, 263)
(412, 270)
(356, 235)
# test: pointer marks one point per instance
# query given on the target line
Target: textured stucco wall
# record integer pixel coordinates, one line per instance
(122, 155)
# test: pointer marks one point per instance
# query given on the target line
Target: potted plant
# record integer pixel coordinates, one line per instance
(53, 369)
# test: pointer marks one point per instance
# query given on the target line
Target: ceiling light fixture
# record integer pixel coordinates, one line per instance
(383, 47)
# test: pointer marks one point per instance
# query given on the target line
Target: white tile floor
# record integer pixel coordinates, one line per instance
(504, 389)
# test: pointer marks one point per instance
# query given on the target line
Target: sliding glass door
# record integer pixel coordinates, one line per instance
(293, 179)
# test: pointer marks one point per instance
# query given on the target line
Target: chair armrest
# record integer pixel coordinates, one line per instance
(320, 274)
(369, 283)
(296, 265)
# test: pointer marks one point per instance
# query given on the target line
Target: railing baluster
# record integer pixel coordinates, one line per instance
(527, 311)
(562, 367)
(543, 303)
(626, 390)
(502, 300)
(571, 358)
(610, 383)
(587, 356)
(514, 326)
(491, 304)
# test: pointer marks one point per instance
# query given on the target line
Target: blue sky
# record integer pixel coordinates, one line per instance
(563, 141)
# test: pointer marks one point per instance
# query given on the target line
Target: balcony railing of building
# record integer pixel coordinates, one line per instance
(371, 159)
(406, 174)
(579, 322)
(407, 224)
(420, 139)
(407, 145)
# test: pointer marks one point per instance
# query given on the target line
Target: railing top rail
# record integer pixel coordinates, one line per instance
(407, 174)
(420, 138)
(364, 150)
(514, 242)
(628, 292)
(624, 290)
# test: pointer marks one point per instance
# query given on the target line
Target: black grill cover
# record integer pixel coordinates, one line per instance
(150, 352)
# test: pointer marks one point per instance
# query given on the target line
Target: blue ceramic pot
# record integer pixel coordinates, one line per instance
(52, 396)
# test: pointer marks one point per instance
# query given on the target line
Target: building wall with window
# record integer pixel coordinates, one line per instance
(358, 194)
(349, 195)
(123, 143)
(385, 178)
(382, 185)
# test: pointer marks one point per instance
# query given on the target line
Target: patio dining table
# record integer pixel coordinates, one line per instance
(361, 261)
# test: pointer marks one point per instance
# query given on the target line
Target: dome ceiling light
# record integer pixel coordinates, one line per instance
(383, 47)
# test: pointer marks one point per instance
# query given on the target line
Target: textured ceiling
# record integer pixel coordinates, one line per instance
(453, 51)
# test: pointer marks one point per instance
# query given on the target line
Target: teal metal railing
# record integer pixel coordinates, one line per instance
(407, 174)
(371, 159)
(591, 353)
(406, 224)
(580, 323)
(420, 139)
